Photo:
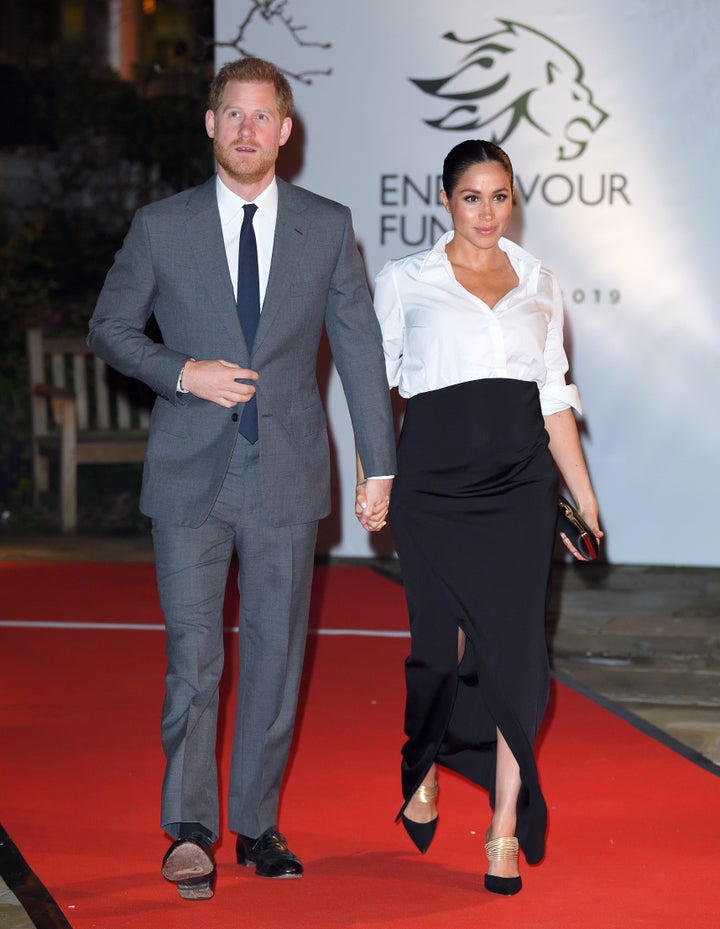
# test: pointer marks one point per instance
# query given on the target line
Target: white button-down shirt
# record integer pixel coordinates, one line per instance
(231, 219)
(436, 333)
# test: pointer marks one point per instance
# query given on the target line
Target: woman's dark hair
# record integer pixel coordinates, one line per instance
(469, 153)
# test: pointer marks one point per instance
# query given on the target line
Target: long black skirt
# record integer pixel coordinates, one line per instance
(473, 515)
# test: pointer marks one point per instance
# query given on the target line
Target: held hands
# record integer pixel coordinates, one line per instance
(219, 381)
(372, 499)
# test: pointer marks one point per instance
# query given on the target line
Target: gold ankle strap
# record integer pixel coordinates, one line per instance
(504, 848)
(425, 794)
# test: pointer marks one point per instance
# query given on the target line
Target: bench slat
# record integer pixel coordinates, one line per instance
(91, 421)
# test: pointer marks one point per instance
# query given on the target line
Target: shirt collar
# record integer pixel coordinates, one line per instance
(525, 265)
(230, 204)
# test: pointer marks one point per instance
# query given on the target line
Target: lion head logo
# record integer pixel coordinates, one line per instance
(513, 76)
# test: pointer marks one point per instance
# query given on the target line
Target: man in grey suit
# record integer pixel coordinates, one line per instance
(238, 453)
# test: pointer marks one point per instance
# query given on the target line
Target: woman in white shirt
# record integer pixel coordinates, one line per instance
(472, 334)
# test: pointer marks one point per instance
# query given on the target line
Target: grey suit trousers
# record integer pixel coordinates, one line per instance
(275, 574)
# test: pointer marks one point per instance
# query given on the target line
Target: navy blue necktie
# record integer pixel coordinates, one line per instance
(248, 304)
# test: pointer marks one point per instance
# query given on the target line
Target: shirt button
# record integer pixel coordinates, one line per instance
(234, 417)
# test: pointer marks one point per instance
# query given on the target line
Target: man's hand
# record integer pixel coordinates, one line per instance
(372, 498)
(218, 381)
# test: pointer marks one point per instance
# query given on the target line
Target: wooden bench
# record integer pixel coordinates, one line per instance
(82, 413)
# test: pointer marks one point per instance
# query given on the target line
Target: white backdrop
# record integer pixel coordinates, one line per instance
(609, 112)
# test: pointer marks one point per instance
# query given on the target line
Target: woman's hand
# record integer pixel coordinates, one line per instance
(568, 456)
(591, 518)
(372, 500)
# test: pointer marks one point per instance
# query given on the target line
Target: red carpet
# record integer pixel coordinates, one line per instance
(634, 828)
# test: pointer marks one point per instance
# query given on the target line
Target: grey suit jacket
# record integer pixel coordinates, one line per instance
(173, 265)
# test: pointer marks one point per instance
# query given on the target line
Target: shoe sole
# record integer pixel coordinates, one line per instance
(187, 862)
(199, 889)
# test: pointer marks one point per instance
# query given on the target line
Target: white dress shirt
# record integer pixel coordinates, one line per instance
(436, 333)
(231, 219)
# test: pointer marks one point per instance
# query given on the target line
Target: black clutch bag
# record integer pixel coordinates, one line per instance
(577, 530)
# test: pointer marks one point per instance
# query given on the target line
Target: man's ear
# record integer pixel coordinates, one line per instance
(285, 130)
(210, 123)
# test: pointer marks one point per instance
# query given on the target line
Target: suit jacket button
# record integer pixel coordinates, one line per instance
(234, 417)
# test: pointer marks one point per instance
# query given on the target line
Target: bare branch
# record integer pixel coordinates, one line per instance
(269, 10)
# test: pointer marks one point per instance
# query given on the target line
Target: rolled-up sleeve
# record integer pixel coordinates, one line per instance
(388, 308)
(555, 394)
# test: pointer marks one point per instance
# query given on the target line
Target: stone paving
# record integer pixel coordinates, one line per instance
(12, 912)
(647, 638)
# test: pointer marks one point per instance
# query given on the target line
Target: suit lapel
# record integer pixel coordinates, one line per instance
(204, 231)
(291, 238)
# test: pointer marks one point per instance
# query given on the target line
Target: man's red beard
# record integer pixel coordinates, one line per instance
(247, 169)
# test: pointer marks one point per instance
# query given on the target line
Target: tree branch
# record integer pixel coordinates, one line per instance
(269, 10)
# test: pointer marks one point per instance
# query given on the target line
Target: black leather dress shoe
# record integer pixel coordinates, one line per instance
(269, 855)
(189, 863)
